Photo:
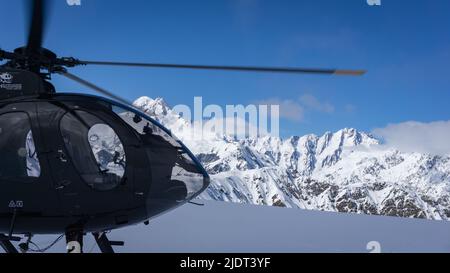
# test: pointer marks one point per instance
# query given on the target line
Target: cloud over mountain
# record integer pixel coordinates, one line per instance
(430, 138)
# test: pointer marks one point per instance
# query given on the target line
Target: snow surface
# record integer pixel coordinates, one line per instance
(237, 228)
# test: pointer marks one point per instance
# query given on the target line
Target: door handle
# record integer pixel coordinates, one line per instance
(61, 185)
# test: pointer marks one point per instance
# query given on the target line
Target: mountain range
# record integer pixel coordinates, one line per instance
(345, 171)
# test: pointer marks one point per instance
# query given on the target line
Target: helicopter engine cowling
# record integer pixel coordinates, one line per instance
(18, 83)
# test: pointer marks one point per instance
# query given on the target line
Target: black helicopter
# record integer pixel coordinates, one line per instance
(74, 164)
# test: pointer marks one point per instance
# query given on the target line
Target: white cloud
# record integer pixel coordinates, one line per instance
(295, 109)
(235, 127)
(314, 104)
(218, 127)
(430, 138)
(289, 109)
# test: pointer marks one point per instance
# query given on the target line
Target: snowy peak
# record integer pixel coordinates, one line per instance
(160, 111)
(154, 107)
(345, 138)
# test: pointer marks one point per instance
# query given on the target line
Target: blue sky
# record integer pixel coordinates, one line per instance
(404, 45)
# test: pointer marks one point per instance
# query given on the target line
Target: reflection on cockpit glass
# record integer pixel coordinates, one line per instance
(184, 171)
(33, 166)
(108, 149)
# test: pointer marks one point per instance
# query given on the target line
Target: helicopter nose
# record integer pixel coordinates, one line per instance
(173, 185)
(179, 182)
(176, 174)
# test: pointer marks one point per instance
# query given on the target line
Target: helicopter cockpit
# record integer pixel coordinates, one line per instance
(175, 173)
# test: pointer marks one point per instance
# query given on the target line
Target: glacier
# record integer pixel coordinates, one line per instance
(347, 171)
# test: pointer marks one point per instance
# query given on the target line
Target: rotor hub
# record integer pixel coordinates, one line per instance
(33, 60)
(43, 62)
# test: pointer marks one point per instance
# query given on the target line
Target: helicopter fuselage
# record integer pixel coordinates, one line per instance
(81, 161)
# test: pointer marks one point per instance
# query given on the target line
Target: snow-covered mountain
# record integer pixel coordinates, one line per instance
(344, 171)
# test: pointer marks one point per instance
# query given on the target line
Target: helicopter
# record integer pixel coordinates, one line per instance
(73, 164)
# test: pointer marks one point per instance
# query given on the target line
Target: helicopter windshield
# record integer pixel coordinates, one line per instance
(176, 173)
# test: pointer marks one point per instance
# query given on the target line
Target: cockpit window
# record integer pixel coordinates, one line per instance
(95, 149)
(176, 176)
(19, 157)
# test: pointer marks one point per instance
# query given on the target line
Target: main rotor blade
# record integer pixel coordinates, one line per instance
(95, 88)
(37, 22)
(339, 72)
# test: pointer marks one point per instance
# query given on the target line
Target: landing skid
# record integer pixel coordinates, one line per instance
(5, 243)
(104, 244)
(74, 240)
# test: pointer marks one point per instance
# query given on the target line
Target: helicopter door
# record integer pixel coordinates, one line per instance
(25, 178)
(88, 160)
